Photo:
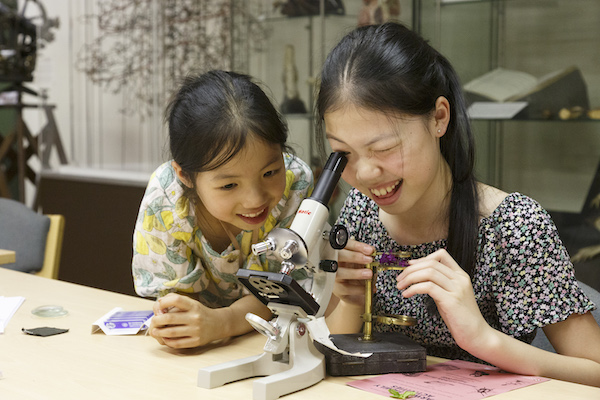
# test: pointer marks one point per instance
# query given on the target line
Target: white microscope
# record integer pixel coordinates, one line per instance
(290, 361)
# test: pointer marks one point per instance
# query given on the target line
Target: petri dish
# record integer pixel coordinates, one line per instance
(49, 311)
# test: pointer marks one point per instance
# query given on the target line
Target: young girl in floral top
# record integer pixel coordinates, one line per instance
(230, 182)
(487, 268)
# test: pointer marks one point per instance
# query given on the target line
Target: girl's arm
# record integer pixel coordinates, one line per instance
(576, 338)
(576, 341)
(182, 322)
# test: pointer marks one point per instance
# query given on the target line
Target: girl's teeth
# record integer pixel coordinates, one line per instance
(253, 215)
(384, 191)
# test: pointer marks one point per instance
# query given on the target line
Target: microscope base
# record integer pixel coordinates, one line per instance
(304, 367)
(392, 353)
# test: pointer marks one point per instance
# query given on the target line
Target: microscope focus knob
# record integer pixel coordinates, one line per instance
(289, 249)
(263, 247)
(328, 265)
(338, 237)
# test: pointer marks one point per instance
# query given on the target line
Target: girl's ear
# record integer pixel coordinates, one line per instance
(441, 116)
(181, 175)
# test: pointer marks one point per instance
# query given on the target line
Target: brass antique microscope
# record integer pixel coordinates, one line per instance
(391, 351)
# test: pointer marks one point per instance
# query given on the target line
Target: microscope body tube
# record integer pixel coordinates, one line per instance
(311, 218)
(310, 221)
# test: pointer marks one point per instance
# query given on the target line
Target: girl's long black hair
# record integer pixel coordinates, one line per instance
(392, 69)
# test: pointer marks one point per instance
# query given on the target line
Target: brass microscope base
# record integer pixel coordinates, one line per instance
(392, 352)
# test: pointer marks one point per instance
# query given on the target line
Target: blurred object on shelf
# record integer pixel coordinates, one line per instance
(570, 113)
(594, 113)
(378, 12)
(302, 8)
(19, 39)
(292, 104)
(545, 96)
(9, 97)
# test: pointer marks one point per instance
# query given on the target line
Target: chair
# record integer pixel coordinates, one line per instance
(35, 238)
(542, 342)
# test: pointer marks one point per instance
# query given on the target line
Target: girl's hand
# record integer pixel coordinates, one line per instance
(351, 274)
(182, 322)
(439, 276)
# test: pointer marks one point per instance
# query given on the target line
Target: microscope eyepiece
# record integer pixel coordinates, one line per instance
(329, 177)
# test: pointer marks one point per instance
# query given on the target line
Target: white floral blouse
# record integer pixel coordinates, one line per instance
(170, 253)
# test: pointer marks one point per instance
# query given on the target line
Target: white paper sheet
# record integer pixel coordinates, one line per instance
(320, 332)
(492, 110)
(8, 307)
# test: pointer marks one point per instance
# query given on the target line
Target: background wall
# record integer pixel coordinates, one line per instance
(555, 164)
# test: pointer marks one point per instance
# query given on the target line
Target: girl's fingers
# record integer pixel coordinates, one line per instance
(427, 270)
(356, 252)
(441, 256)
(359, 247)
(437, 275)
(174, 300)
(439, 261)
(349, 272)
(429, 288)
(354, 257)
(432, 274)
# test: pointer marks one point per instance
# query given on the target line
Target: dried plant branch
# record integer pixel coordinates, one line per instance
(140, 41)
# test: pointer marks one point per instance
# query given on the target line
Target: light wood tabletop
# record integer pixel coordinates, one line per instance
(7, 256)
(82, 365)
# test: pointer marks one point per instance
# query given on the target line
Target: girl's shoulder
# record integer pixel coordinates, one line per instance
(163, 183)
(490, 198)
(300, 168)
(511, 210)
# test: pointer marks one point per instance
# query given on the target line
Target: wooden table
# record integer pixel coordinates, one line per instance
(7, 256)
(82, 365)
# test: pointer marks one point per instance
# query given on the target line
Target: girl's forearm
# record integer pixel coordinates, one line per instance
(513, 355)
(343, 317)
(234, 317)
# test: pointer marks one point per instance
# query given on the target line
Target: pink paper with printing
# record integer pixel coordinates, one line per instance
(449, 380)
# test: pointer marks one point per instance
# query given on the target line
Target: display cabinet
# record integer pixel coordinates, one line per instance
(549, 156)
(289, 50)
(555, 160)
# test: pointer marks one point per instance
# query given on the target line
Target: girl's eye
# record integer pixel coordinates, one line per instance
(228, 187)
(385, 150)
(271, 173)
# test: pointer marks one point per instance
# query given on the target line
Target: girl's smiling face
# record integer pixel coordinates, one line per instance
(394, 160)
(243, 191)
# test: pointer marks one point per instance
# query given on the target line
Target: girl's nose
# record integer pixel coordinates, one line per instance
(367, 170)
(254, 197)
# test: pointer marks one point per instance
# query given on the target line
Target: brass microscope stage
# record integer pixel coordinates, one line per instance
(391, 351)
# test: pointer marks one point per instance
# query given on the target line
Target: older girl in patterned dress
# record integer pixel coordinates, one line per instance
(487, 268)
(230, 182)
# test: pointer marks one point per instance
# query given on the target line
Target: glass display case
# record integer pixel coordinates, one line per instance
(552, 154)
(552, 159)
(291, 49)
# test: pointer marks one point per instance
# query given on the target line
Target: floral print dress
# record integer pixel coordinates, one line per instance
(523, 278)
(170, 253)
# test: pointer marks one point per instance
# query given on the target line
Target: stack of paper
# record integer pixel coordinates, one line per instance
(8, 307)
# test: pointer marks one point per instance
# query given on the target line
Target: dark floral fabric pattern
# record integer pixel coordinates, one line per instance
(523, 278)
